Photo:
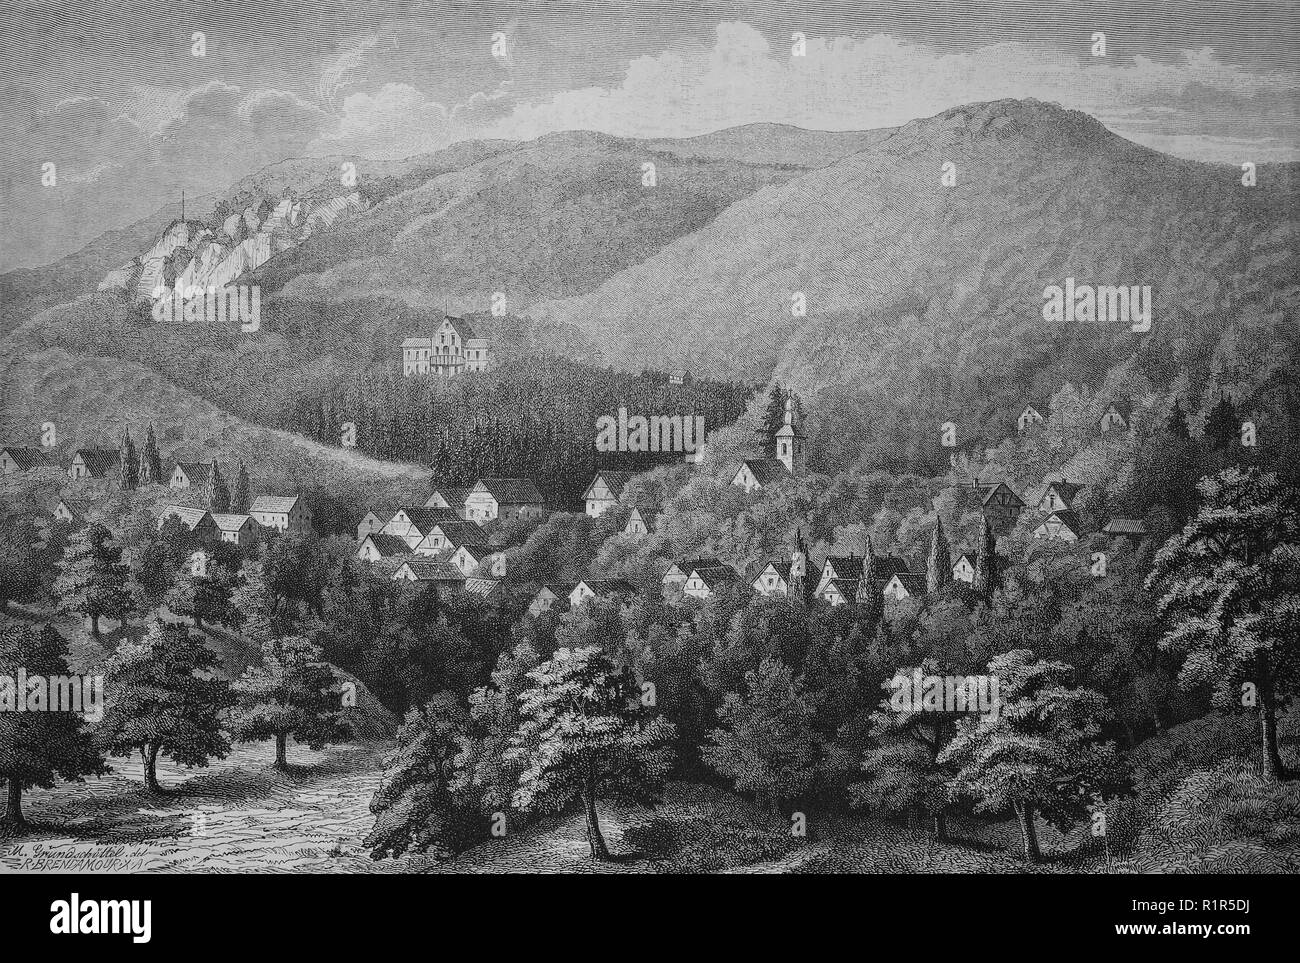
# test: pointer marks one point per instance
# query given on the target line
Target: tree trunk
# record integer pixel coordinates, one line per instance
(1273, 769)
(1028, 832)
(281, 754)
(13, 822)
(1128, 732)
(150, 754)
(940, 827)
(94, 627)
(594, 837)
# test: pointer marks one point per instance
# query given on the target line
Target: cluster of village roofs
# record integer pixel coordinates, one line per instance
(265, 512)
(443, 541)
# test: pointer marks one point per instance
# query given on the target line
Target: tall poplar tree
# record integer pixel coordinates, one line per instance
(938, 569)
(150, 461)
(129, 475)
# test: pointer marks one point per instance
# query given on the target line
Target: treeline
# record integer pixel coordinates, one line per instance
(532, 416)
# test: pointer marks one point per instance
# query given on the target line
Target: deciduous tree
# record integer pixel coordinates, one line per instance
(36, 748)
(584, 734)
(1230, 584)
(1040, 754)
(292, 693)
(165, 699)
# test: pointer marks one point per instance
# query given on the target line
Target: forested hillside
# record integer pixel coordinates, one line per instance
(330, 369)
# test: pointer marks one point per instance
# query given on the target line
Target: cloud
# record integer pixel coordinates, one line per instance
(347, 68)
(111, 169)
(397, 90)
(395, 121)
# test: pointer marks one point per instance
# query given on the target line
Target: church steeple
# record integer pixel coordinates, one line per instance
(789, 442)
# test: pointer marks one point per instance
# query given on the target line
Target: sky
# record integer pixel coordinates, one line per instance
(116, 97)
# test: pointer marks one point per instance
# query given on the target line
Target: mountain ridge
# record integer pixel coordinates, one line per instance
(923, 284)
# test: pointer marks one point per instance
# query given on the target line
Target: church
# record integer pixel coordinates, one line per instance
(788, 442)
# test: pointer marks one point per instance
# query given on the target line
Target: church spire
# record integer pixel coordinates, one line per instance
(789, 441)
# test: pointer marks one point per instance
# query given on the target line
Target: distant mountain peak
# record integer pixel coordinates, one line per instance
(1028, 119)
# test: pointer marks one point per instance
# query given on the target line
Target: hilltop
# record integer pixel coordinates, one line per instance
(924, 301)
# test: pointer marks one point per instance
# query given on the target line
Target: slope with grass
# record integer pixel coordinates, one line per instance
(91, 400)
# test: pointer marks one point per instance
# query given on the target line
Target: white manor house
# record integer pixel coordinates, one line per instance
(453, 348)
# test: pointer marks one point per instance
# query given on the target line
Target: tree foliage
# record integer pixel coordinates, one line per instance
(584, 734)
(165, 699)
(1230, 584)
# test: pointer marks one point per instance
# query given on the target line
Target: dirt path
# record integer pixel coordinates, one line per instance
(237, 816)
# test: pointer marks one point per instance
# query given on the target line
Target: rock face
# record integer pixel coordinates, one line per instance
(195, 254)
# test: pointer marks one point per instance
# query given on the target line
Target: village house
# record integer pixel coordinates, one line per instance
(373, 521)
(414, 523)
(838, 591)
(237, 529)
(375, 546)
(600, 588)
(1001, 506)
(636, 525)
(706, 581)
(605, 490)
(197, 520)
(467, 558)
(1133, 529)
(1112, 419)
(451, 498)
(902, 585)
(445, 537)
(679, 572)
(1030, 416)
(429, 570)
(549, 596)
(847, 568)
(773, 580)
(963, 570)
(189, 474)
(69, 511)
(1058, 496)
(484, 588)
(16, 459)
(853, 578)
(1062, 526)
(507, 499)
(453, 348)
(286, 514)
(94, 463)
